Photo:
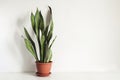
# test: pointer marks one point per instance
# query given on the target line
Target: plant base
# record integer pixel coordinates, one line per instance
(42, 74)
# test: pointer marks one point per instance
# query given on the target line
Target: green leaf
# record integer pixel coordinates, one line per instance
(37, 22)
(32, 42)
(27, 34)
(51, 26)
(42, 47)
(42, 40)
(30, 48)
(49, 37)
(46, 32)
(50, 32)
(52, 42)
(33, 22)
(48, 55)
(41, 22)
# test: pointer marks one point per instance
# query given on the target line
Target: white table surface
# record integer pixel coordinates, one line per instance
(63, 76)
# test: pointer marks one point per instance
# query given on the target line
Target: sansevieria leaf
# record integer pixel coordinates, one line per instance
(51, 26)
(52, 42)
(37, 22)
(50, 15)
(27, 34)
(46, 31)
(42, 40)
(41, 22)
(29, 46)
(33, 22)
(48, 55)
(30, 39)
(50, 32)
(50, 9)
(42, 46)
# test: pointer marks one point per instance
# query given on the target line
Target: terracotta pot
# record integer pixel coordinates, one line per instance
(43, 69)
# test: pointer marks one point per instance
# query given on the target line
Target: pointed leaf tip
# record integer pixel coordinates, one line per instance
(50, 9)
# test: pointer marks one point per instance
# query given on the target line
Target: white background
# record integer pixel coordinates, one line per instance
(88, 34)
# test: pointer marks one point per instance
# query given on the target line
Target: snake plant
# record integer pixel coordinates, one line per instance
(43, 34)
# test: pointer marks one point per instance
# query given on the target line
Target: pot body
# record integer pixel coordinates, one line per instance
(43, 69)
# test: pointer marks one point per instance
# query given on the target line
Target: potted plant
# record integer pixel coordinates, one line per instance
(43, 34)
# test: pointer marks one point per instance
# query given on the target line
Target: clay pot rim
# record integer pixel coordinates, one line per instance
(37, 62)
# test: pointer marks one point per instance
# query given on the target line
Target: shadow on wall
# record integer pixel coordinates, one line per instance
(26, 60)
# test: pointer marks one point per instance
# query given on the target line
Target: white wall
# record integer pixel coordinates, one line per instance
(88, 34)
